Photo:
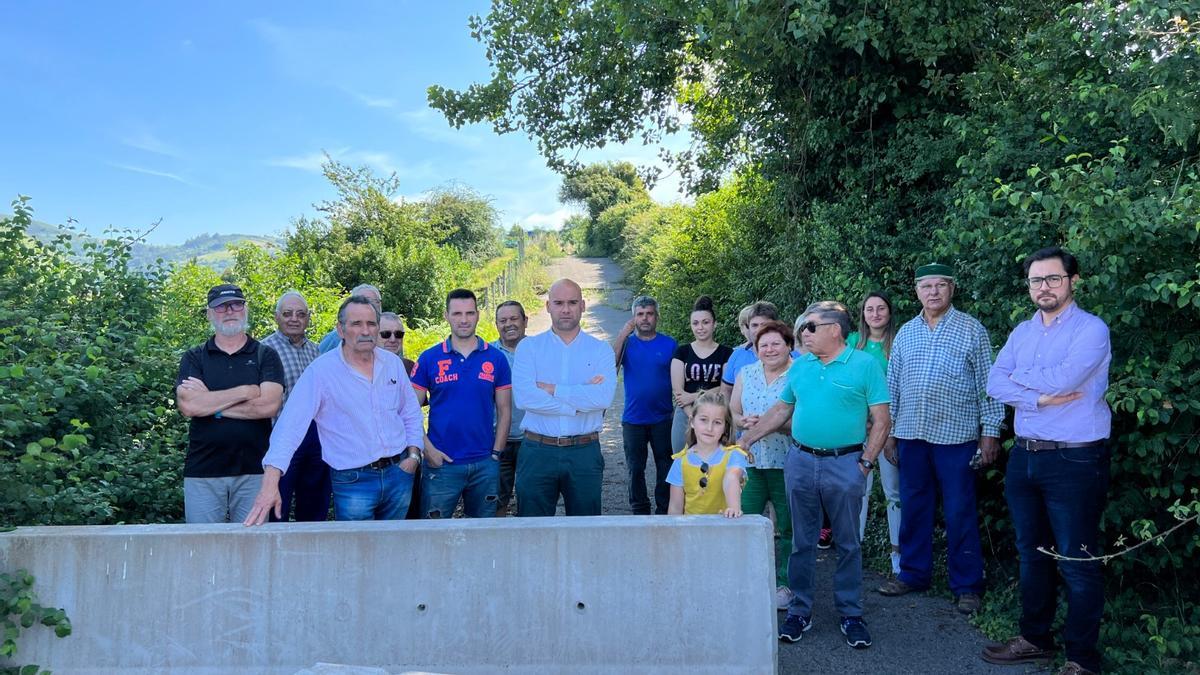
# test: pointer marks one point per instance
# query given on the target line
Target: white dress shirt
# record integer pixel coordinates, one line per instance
(576, 407)
(360, 420)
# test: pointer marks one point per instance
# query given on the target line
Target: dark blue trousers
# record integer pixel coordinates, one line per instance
(928, 470)
(1056, 498)
(307, 480)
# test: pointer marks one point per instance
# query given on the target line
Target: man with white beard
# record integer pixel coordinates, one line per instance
(230, 387)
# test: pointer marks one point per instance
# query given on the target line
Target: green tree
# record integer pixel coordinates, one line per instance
(464, 220)
(365, 236)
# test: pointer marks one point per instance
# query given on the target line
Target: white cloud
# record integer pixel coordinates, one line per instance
(382, 162)
(544, 221)
(148, 142)
(432, 126)
(151, 172)
(369, 100)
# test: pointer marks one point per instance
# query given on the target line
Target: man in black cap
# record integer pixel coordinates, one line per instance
(230, 386)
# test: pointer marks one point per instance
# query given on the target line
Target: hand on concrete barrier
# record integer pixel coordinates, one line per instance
(268, 499)
(732, 513)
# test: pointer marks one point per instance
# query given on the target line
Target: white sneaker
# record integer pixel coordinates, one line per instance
(895, 562)
(783, 597)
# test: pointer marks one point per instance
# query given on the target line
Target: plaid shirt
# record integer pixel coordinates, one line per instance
(938, 381)
(295, 359)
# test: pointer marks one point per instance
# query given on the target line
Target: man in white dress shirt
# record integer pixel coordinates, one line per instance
(368, 418)
(563, 379)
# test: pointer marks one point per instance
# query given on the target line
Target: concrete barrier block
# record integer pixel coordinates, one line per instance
(660, 594)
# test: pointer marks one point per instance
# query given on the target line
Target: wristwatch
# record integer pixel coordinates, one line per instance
(414, 453)
(867, 463)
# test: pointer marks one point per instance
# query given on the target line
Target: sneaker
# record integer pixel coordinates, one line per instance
(855, 630)
(826, 539)
(967, 603)
(783, 597)
(794, 627)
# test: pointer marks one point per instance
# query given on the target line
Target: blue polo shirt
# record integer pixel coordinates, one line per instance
(648, 379)
(462, 404)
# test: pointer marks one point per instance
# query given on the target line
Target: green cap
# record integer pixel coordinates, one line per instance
(935, 270)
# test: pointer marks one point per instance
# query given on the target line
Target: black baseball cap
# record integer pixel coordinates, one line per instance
(219, 295)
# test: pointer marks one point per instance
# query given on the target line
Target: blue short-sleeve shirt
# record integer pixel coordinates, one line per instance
(462, 404)
(648, 379)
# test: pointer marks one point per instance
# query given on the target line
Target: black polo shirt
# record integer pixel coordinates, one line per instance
(228, 447)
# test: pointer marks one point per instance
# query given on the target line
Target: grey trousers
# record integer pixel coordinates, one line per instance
(837, 485)
(219, 500)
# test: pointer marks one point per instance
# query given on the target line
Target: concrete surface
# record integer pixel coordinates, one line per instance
(587, 595)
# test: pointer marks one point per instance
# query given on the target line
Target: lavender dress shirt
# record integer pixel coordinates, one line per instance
(1069, 355)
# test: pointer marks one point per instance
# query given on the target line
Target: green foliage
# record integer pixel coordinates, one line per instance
(464, 220)
(612, 193)
(365, 236)
(857, 141)
(20, 611)
(80, 338)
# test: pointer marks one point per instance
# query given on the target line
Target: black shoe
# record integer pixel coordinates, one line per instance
(855, 630)
(825, 541)
(794, 627)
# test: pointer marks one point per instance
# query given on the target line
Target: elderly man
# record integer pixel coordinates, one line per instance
(563, 379)
(937, 377)
(308, 477)
(510, 324)
(368, 418)
(469, 387)
(830, 392)
(332, 341)
(646, 420)
(230, 386)
(1054, 372)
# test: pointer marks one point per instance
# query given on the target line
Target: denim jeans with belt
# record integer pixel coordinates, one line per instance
(371, 494)
(1056, 498)
(476, 483)
(834, 485)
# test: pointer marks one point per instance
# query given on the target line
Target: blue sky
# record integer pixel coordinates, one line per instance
(214, 116)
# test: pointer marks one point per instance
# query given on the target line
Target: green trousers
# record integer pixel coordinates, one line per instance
(766, 485)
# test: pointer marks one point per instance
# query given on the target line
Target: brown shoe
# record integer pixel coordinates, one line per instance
(1072, 668)
(967, 603)
(1017, 650)
(893, 587)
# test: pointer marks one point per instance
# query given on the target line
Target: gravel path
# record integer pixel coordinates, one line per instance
(912, 634)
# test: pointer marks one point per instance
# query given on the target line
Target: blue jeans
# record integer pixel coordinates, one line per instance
(1056, 498)
(371, 494)
(925, 470)
(307, 478)
(835, 485)
(477, 484)
(658, 437)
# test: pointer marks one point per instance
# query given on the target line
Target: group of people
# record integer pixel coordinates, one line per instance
(792, 423)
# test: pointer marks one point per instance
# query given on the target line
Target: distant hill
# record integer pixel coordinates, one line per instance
(209, 250)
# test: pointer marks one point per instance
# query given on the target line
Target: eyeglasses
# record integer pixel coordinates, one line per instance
(299, 313)
(812, 327)
(232, 306)
(929, 286)
(1052, 281)
(387, 334)
(704, 475)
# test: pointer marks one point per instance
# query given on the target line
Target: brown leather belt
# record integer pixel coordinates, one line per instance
(384, 462)
(563, 441)
(1034, 445)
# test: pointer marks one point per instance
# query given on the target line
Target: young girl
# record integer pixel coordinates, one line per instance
(707, 476)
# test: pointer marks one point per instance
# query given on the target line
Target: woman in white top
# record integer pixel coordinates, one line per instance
(755, 390)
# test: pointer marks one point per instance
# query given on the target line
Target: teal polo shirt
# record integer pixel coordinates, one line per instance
(831, 399)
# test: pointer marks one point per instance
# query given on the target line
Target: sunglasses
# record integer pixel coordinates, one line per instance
(387, 334)
(812, 327)
(232, 306)
(704, 475)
